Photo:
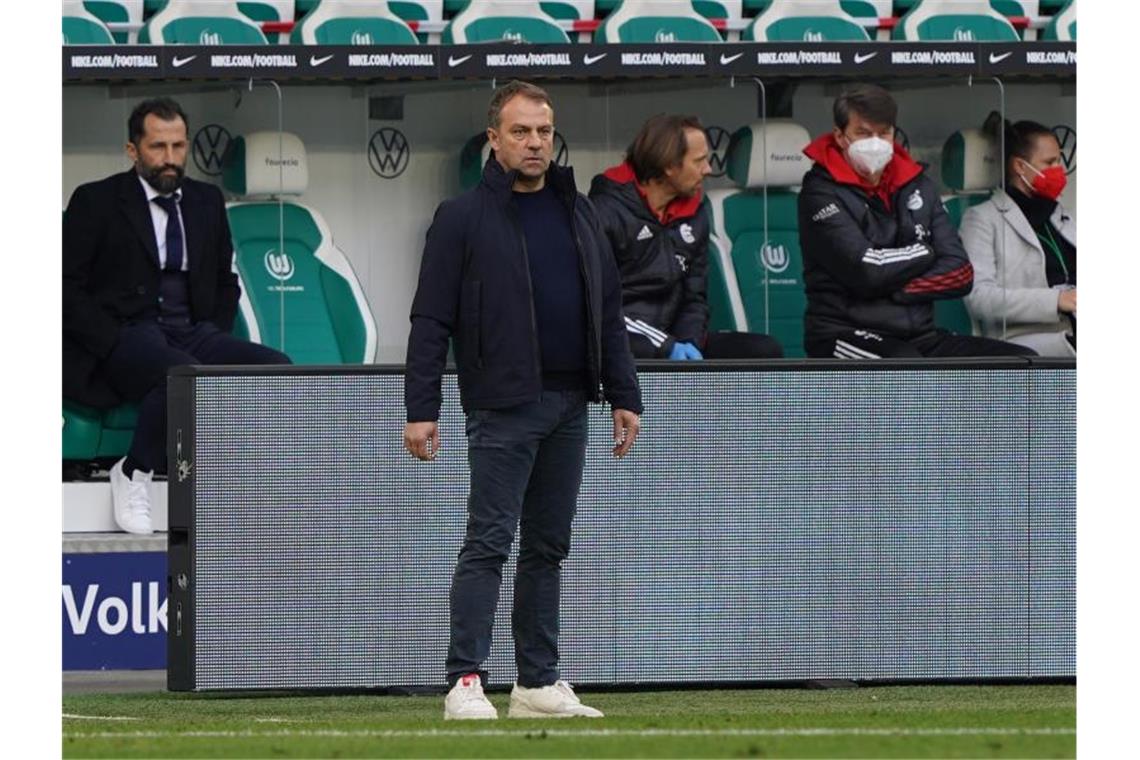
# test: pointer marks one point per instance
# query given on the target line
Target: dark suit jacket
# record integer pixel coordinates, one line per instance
(111, 273)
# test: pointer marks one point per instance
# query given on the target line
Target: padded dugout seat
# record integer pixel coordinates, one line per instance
(971, 169)
(768, 268)
(353, 22)
(116, 12)
(956, 21)
(472, 158)
(269, 10)
(90, 434)
(299, 292)
(646, 21)
(503, 21)
(81, 27)
(201, 22)
(818, 21)
(726, 309)
(570, 10)
(1063, 27)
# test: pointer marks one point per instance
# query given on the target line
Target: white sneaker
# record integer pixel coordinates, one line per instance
(465, 701)
(131, 499)
(556, 701)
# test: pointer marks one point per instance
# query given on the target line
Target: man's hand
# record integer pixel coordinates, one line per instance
(1067, 301)
(421, 439)
(684, 352)
(626, 426)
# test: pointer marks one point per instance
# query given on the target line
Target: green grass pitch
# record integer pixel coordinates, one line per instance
(885, 721)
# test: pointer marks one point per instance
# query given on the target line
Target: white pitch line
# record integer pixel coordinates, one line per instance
(585, 733)
(98, 717)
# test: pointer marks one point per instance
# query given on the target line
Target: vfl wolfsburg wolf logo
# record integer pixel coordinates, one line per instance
(775, 258)
(279, 265)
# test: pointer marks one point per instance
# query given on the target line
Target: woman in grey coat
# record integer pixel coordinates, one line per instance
(1023, 246)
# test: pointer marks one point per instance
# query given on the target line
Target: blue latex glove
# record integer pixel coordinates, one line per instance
(682, 351)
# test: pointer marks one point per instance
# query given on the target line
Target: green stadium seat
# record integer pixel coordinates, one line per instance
(269, 10)
(420, 10)
(472, 158)
(954, 20)
(1024, 8)
(503, 21)
(951, 314)
(732, 11)
(81, 27)
(646, 21)
(117, 12)
(768, 267)
(1063, 27)
(90, 434)
(820, 21)
(353, 22)
(971, 169)
(299, 292)
(726, 310)
(201, 22)
(570, 10)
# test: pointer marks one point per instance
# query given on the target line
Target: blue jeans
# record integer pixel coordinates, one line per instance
(526, 467)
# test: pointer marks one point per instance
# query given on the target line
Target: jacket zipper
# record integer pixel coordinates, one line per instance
(594, 358)
(535, 350)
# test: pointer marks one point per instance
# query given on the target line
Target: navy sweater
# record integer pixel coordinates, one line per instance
(559, 299)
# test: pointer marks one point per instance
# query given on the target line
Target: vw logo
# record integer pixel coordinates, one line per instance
(561, 150)
(279, 265)
(718, 139)
(1067, 138)
(388, 152)
(775, 258)
(210, 145)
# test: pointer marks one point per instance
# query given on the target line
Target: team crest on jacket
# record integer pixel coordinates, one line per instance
(687, 233)
(914, 202)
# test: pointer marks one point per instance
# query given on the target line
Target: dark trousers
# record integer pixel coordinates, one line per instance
(526, 467)
(741, 345)
(867, 344)
(145, 352)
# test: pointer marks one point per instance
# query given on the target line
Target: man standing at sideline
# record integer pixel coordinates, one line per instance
(518, 272)
(148, 284)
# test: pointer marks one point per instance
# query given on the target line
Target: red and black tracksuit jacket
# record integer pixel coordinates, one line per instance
(663, 262)
(875, 258)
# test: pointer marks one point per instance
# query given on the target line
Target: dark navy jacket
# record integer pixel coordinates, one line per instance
(475, 287)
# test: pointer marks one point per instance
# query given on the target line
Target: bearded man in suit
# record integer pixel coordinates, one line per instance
(148, 284)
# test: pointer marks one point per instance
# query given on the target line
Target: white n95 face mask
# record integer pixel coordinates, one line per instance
(871, 154)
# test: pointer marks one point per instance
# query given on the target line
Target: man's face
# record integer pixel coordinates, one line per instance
(160, 156)
(524, 139)
(859, 128)
(686, 177)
